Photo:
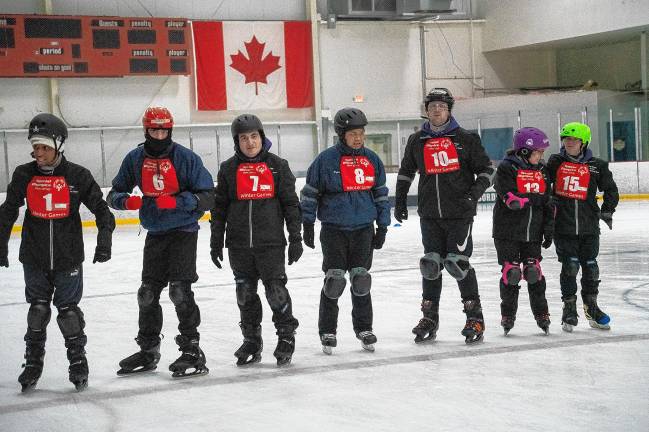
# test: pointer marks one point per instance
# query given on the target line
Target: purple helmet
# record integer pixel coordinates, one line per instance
(529, 139)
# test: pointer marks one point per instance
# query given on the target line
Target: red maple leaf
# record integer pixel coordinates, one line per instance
(254, 67)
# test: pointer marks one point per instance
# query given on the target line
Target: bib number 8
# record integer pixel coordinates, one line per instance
(360, 176)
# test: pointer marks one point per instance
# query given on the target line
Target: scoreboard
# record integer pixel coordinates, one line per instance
(86, 46)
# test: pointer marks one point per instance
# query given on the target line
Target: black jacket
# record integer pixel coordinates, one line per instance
(576, 216)
(255, 222)
(444, 196)
(55, 244)
(535, 218)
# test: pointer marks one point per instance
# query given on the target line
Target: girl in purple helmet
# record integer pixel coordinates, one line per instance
(522, 223)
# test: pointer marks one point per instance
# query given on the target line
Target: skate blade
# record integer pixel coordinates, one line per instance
(471, 340)
(81, 385)
(282, 362)
(594, 324)
(567, 327)
(327, 349)
(28, 387)
(546, 331)
(243, 361)
(184, 374)
(126, 372)
(506, 331)
(368, 347)
(425, 338)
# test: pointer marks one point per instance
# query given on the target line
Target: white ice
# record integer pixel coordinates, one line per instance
(589, 380)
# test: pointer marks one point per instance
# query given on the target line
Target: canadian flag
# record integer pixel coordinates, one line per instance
(253, 65)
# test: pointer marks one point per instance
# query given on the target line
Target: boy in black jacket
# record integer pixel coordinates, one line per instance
(576, 176)
(522, 219)
(51, 247)
(255, 194)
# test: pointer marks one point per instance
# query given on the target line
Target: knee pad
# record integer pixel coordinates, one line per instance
(334, 284)
(511, 273)
(570, 266)
(277, 294)
(246, 290)
(431, 266)
(457, 265)
(532, 270)
(146, 295)
(361, 281)
(180, 293)
(39, 315)
(70, 321)
(591, 271)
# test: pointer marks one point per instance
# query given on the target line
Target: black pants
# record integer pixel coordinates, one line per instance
(251, 265)
(446, 236)
(585, 248)
(346, 250)
(169, 257)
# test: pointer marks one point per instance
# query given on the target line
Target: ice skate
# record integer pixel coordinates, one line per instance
(78, 370)
(368, 339)
(474, 328)
(250, 351)
(569, 318)
(32, 368)
(284, 350)
(192, 359)
(427, 327)
(595, 316)
(141, 361)
(543, 321)
(328, 341)
(507, 323)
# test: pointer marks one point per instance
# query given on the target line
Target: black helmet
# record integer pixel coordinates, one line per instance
(246, 123)
(347, 119)
(439, 94)
(49, 125)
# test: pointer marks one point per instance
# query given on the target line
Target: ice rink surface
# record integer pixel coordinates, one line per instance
(589, 380)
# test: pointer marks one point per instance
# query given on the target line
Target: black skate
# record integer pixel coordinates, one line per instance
(595, 316)
(250, 351)
(507, 322)
(328, 341)
(425, 330)
(33, 368)
(284, 351)
(474, 328)
(192, 359)
(141, 361)
(368, 339)
(543, 321)
(569, 318)
(78, 370)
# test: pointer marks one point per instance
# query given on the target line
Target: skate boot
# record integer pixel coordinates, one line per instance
(427, 327)
(78, 370)
(144, 360)
(569, 318)
(33, 367)
(192, 358)
(509, 302)
(368, 339)
(595, 316)
(474, 328)
(507, 323)
(250, 351)
(328, 341)
(543, 321)
(284, 350)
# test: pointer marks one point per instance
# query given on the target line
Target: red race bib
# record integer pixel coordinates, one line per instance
(530, 181)
(357, 173)
(440, 156)
(159, 178)
(48, 197)
(255, 181)
(572, 180)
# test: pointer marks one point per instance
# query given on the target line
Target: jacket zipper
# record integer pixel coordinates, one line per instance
(250, 220)
(439, 204)
(529, 222)
(51, 245)
(576, 217)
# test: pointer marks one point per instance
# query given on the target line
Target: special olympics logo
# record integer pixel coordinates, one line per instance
(365, 162)
(582, 170)
(165, 166)
(59, 185)
(260, 169)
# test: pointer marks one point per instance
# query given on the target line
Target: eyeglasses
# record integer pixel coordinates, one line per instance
(438, 105)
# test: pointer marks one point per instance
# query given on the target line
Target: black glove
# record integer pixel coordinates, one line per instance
(379, 237)
(547, 240)
(607, 217)
(4, 261)
(400, 212)
(102, 254)
(294, 252)
(217, 256)
(469, 202)
(309, 235)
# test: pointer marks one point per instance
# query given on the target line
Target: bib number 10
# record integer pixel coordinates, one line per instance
(440, 158)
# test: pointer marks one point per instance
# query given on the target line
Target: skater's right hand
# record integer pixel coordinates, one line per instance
(400, 213)
(133, 202)
(607, 217)
(4, 261)
(547, 240)
(217, 256)
(309, 235)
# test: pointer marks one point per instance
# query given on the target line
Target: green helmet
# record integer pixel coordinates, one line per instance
(576, 130)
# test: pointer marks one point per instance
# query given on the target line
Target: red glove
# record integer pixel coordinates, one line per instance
(166, 202)
(133, 202)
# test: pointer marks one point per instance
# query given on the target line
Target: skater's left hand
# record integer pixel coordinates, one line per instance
(607, 217)
(217, 256)
(295, 251)
(102, 255)
(4, 261)
(166, 202)
(547, 240)
(379, 237)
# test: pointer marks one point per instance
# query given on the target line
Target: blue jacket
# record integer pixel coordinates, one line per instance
(195, 194)
(323, 193)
